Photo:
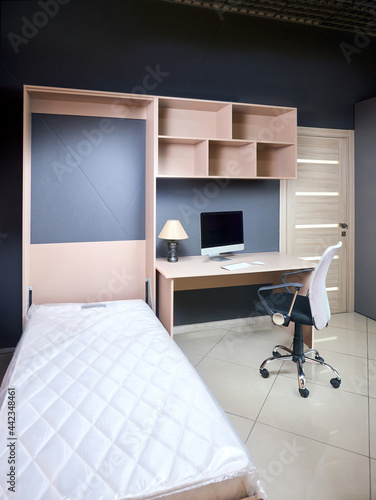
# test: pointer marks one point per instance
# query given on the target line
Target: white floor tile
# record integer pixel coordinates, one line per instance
(372, 417)
(248, 348)
(213, 325)
(266, 330)
(311, 448)
(372, 378)
(371, 325)
(199, 342)
(345, 341)
(193, 358)
(293, 467)
(238, 389)
(352, 370)
(327, 415)
(373, 479)
(242, 425)
(351, 321)
(371, 346)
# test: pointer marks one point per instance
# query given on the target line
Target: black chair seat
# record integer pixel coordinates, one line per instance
(277, 305)
(280, 302)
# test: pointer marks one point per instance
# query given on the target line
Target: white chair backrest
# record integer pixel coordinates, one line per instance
(318, 297)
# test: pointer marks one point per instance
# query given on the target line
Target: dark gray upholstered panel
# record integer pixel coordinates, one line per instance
(88, 179)
(365, 196)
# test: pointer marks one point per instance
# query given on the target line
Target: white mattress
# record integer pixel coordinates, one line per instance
(108, 407)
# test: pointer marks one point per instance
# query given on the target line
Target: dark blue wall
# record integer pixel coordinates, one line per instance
(151, 46)
(185, 199)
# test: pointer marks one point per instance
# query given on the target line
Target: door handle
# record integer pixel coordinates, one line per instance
(343, 225)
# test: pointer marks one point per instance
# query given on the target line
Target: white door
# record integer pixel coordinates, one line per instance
(319, 207)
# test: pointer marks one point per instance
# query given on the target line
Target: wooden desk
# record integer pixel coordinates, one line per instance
(197, 272)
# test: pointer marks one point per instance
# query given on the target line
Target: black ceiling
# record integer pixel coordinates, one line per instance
(357, 16)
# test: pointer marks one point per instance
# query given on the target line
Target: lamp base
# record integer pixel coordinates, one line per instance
(172, 246)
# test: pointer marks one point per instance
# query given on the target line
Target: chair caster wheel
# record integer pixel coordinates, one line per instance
(335, 382)
(264, 373)
(276, 354)
(304, 393)
(319, 358)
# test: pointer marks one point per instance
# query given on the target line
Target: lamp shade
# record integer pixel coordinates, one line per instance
(173, 230)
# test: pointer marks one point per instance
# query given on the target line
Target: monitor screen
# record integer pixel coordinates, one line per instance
(221, 232)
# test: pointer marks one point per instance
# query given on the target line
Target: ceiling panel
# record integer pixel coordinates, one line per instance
(355, 16)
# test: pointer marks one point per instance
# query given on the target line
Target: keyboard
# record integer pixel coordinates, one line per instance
(238, 265)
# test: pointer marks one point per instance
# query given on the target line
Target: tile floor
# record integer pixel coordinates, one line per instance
(322, 447)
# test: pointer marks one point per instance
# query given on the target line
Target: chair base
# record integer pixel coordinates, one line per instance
(299, 356)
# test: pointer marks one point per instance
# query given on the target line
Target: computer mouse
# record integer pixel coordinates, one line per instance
(258, 263)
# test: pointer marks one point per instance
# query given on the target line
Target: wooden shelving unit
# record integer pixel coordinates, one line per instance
(232, 158)
(185, 138)
(182, 157)
(217, 139)
(195, 119)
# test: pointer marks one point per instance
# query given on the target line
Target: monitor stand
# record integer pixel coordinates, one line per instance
(218, 258)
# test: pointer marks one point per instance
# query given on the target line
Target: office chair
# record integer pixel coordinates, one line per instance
(311, 309)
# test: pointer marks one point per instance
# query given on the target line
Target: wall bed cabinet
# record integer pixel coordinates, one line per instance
(88, 270)
(184, 138)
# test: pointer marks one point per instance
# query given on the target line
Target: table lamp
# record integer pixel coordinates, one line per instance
(172, 231)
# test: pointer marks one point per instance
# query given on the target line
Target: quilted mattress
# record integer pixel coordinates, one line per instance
(107, 406)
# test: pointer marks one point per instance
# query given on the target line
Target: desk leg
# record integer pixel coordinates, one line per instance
(166, 302)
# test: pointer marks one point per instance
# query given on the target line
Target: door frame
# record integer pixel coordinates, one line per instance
(349, 188)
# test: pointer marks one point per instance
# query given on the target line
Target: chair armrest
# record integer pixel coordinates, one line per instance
(273, 287)
(294, 272)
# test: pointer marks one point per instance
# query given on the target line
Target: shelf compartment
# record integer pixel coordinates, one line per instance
(50, 100)
(180, 157)
(188, 118)
(232, 158)
(276, 160)
(264, 123)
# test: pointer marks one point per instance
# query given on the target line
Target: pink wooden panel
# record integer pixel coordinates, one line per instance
(87, 272)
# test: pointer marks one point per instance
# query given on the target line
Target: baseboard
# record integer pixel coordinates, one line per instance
(227, 323)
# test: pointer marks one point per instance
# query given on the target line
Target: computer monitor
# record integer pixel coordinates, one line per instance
(221, 232)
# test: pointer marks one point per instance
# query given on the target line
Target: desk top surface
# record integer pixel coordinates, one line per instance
(198, 265)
